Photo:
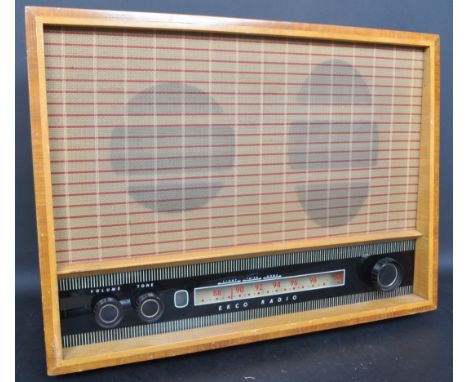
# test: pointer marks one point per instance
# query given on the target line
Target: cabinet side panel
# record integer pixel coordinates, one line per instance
(43, 193)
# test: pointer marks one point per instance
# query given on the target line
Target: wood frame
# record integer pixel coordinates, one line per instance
(424, 297)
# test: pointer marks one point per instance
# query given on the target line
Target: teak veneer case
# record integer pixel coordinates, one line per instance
(54, 33)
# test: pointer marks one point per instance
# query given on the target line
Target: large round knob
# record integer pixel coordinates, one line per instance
(149, 307)
(108, 312)
(386, 274)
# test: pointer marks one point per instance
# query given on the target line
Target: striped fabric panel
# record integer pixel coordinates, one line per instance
(173, 142)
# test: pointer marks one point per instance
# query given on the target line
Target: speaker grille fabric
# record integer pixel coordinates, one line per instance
(165, 142)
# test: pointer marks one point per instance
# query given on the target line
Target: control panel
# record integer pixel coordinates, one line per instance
(169, 300)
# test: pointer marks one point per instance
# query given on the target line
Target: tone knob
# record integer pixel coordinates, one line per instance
(386, 274)
(108, 312)
(149, 307)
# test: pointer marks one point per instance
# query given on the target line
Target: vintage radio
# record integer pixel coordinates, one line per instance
(204, 182)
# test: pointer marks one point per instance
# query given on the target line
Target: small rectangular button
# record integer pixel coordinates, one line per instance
(181, 299)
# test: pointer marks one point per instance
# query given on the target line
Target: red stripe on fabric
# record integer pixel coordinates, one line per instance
(216, 114)
(122, 91)
(227, 145)
(289, 63)
(91, 138)
(311, 104)
(240, 225)
(231, 83)
(229, 156)
(175, 70)
(141, 125)
(227, 167)
(72, 217)
(232, 195)
(248, 175)
(243, 185)
(236, 235)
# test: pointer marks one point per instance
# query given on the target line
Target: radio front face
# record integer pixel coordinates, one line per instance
(168, 142)
(205, 186)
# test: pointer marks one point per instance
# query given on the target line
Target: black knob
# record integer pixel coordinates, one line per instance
(149, 307)
(108, 312)
(387, 274)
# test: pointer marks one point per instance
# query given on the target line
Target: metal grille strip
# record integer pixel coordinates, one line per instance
(225, 318)
(235, 265)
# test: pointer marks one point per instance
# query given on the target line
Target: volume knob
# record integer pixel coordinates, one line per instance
(386, 274)
(149, 307)
(108, 312)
